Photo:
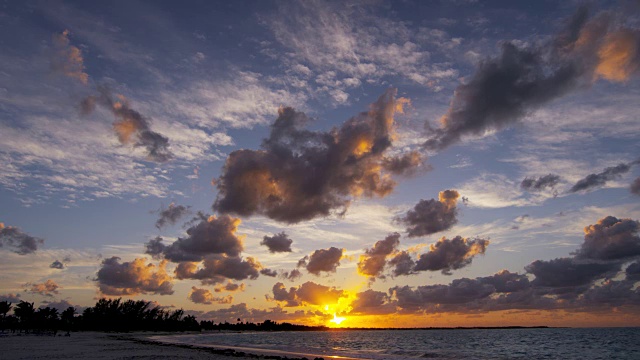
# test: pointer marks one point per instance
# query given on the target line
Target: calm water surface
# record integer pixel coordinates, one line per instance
(584, 344)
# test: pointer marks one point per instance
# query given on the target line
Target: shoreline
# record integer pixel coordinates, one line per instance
(137, 345)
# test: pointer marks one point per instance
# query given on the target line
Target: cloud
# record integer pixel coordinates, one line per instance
(447, 255)
(131, 127)
(269, 272)
(371, 302)
(291, 275)
(67, 59)
(18, 241)
(635, 186)
(406, 164)
(374, 260)
(505, 89)
(599, 179)
(204, 296)
(62, 305)
(632, 271)
(507, 282)
(307, 293)
(277, 243)
(133, 278)
(402, 264)
(57, 265)
(610, 239)
(338, 39)
(48, 288)
(211, 235)
(322, 260)
(12, 298)
(231, 287)
(432, 216)
(171, 215)
(541, 183)
(566, 272)
(301, 174)
(218, 268)
(458, 291)
(241, 311)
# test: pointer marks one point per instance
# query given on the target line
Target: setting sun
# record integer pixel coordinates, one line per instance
(337, 320)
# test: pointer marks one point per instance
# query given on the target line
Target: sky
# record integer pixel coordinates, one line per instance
(388, 163)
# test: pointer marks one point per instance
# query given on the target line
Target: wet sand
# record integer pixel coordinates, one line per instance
(102, 346)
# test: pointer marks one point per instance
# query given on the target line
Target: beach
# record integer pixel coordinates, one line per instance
(95, 345)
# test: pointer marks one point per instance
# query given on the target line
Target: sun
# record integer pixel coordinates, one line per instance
(337, 320)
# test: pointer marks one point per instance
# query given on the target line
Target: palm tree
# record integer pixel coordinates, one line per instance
(24, 311)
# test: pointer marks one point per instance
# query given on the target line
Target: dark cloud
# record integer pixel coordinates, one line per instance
(281, 294)
(132, 278)
(67, 59)
(307, 293)
(458, 292)
(57, 265)
(269, 272)
(405, 164)
(323, 260)
(567, 272)
(610, 239)
(402, 264)
(62, 305)
(635, 186)
(17, 241)
(448, 255)
(218, 268)
(505, 89)
(506, 282)
(432, 216)
(12, 298)
(277, 243)
(632, 271)
(541, 183)
(47, 288)
(301, 174)
(171, 215)
(204, 296)
(210, 235)
(291, 275)
(372, 302)
(131, 127)
(599, 179)
(609, 294)
(374, 260)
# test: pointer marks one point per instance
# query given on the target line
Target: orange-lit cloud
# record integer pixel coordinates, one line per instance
(204, 296)
(130, 126)
(301, 174)
(618, 55)
(67, 59)
(132, 278)
(231, 287)
(48, 288)
(216, 269)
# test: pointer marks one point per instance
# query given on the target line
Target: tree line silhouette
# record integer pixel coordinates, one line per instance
(121, 316)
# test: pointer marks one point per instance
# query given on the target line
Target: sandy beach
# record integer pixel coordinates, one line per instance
(94, 345)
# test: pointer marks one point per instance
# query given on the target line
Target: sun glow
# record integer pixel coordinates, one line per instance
(337, 320)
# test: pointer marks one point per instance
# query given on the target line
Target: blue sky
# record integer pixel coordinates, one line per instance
(198, 81)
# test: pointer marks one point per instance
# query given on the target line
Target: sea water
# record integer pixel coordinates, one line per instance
(545, 343)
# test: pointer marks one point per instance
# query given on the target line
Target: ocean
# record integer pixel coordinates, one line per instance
(545, 343)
